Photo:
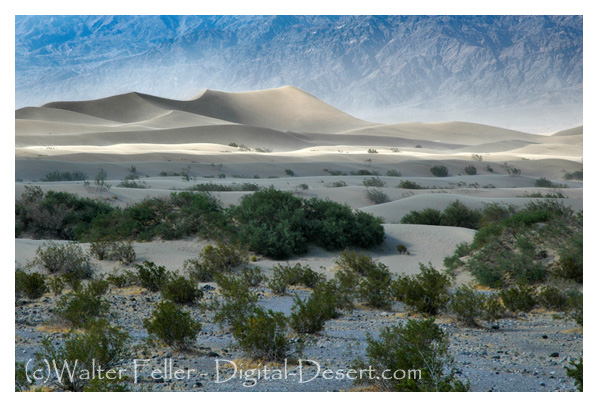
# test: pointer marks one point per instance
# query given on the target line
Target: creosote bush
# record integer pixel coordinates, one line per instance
(575, 372)
(456, 214)
(468, 305)
(31, 285)
(376, 195)
(403, 348)
(214, 259)
(68, 261)
(263, 335)
(470, 170)
(80, 307)
(426, 292)
(519, 299)
(101, 346)
(181, 290)
(439, 171)
(373, 182)
(151, 276)
(114, 251)
(172, 325)
(309, 316)
(296, 275)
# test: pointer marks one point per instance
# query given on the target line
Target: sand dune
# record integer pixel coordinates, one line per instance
(568, 132)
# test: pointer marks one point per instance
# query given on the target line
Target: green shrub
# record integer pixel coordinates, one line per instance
(278, 224)
(289, 172)
(56, 285)
(376, 195)
(207, 187)
(253, 277)
(495, 213)
(470, 170)
(31, 285)
(393, 173)
(519, 299)
(373, 182)
(80, 307)
(263, 335)
(417, 345)
(151, 276)
(180, 289)
(114, 251)
(428, 216)
(67, 260)
(551, 298)
(55, 214)
(375, 288)
(238, 304)
(97, 287)
(453, 262)
(575, 372)
(426, 292)
(296, 275)
(22, 382)
(543, 182)
(363, 172)
(172, 325)
(64, 176)
(493, 309)
(439, 171)
(214, 259)
(575, 305)
(309, 316)
(409, 185)
(458, 215)
(489, 168)
(125, 279)
(101, 347)
(570, 265)
(575, 175)
(336, 184)
(468, 305)
(402, 249)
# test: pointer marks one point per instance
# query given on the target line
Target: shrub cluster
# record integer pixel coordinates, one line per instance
(151, 276)
(296, 275)
(214, 259)
(31, 285)
(68, 261)
(373, 182)
(426, 292)
(64, 176)
(181, 290)
(309, 316)
(114, 251)
(376, 195)
(172, 325)
(278, 224)
(456, 215)
(81, 307)
(406, 346)
(439, 171)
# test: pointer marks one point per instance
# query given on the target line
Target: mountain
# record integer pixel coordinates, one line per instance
(522, 72)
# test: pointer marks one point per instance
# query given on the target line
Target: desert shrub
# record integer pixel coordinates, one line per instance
(376, 195)
(552, 298)
(289, 172)
(222, 257)
(470, 170)
(575, 372)
(543, 182)
(355, 262)
(55, 214)
(181, 290)
(575, 175)
(31, 285)
(521, 298)
(402, 249)
(477, 157)
(372, 151)
(403, 348)
(570, 265)
(393, 173)
(56, 285)
(296, 275)
(373, 182)
(575, 306)
(208, 187)
(239, 302)
(151, 276)
(309, 316)
(125, 279)
(278, 224)
(336, 184)
(263, 335)
(130, 182)
(439, 171)
(304, 186)
(364, 172)
(253, 277)
(22, 382)
(114, 251)
(178, 215)
(495, 213)
(468, 305)
(453, 262)
(428, 216)
(375, 288)
(102, 346)
(68, 261)
(97, 287)
(489, 168)
(458, 215)
(172, 325)
(409, 185)
(64, 176)
(493, 308)
(80, 307)
(426, 292)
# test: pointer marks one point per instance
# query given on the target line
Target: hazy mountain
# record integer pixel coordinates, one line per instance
(523, 72)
